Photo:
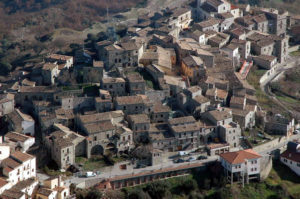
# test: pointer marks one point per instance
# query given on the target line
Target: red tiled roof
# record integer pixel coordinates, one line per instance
(239, 157)
(291, 155)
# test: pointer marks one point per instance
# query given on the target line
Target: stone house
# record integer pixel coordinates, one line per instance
(186, 131)
(207, 25)
(261, 23)
(230, 133)
(193, 91)
(130, 104)
(160, 113)
(244, 47)
(219, 117)
(7, 104)
(99, 46)
(21, 123)
(62, 149)
(93, 74)
(214, 81)
(116, 86)
(232, 51)
(217, 97)
(18, 141)
(217, 148)
(207, 57)
(245, 118)
(278, 125)
(198, 35)
(125, 141)
(135, 84)
(100, 131)
(27, 94)
(65, 145)
(260, 44)
(49, 72)
(238, 102)
(227, 19)
(277, 21)
(162, 140)
(181, 18)
(281, 47)
(236, 11)
(104, 102)
(77, 103)
(66, 61)
(139, 124)
(238, 33)
(194, 68)
(162, 57)
(246, 21)
(219, 40)
(156, 72)
(199, 104)
(55, 184)
(209, 8)
(122, 54)
(265, 61)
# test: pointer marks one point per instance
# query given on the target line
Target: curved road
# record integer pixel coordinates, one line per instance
(290, 63)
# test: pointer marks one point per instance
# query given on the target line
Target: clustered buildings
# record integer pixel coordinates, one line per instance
(176, 81)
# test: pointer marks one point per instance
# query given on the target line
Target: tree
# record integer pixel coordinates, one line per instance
(186, 186)
(114, 194)
(5, 67)
(157, 190)
(138, 194)
(92, 37)
(94, 194)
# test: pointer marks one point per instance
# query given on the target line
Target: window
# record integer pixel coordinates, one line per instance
(107, 136)
(95, 138)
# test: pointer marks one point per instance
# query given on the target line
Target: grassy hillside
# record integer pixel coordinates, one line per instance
(46, 15)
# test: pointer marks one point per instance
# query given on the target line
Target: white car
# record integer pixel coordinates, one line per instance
(191, 159)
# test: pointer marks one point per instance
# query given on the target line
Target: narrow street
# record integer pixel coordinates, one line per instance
(264, 85)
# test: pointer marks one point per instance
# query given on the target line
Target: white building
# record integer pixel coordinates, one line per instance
(241, 165)
(18, 141)
(291, 157)
(63, 60)
(18, 167)
(4, 150)
(21, 123)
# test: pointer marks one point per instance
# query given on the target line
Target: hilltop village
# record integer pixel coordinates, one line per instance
(164, 99)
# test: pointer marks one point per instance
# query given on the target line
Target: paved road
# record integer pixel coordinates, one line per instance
(290, 63)
(115, 171)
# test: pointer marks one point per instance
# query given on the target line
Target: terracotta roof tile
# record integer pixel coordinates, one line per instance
(240, 156)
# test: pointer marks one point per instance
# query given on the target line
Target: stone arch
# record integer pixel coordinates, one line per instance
(97, 150)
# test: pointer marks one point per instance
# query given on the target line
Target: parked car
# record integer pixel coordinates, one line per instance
(89, 174)
(191, 159)
(182, 153)
(139, 166)
(202, 157)
(178, 160)
(297, 131)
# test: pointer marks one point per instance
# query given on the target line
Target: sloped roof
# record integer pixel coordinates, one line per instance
(239, 157)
